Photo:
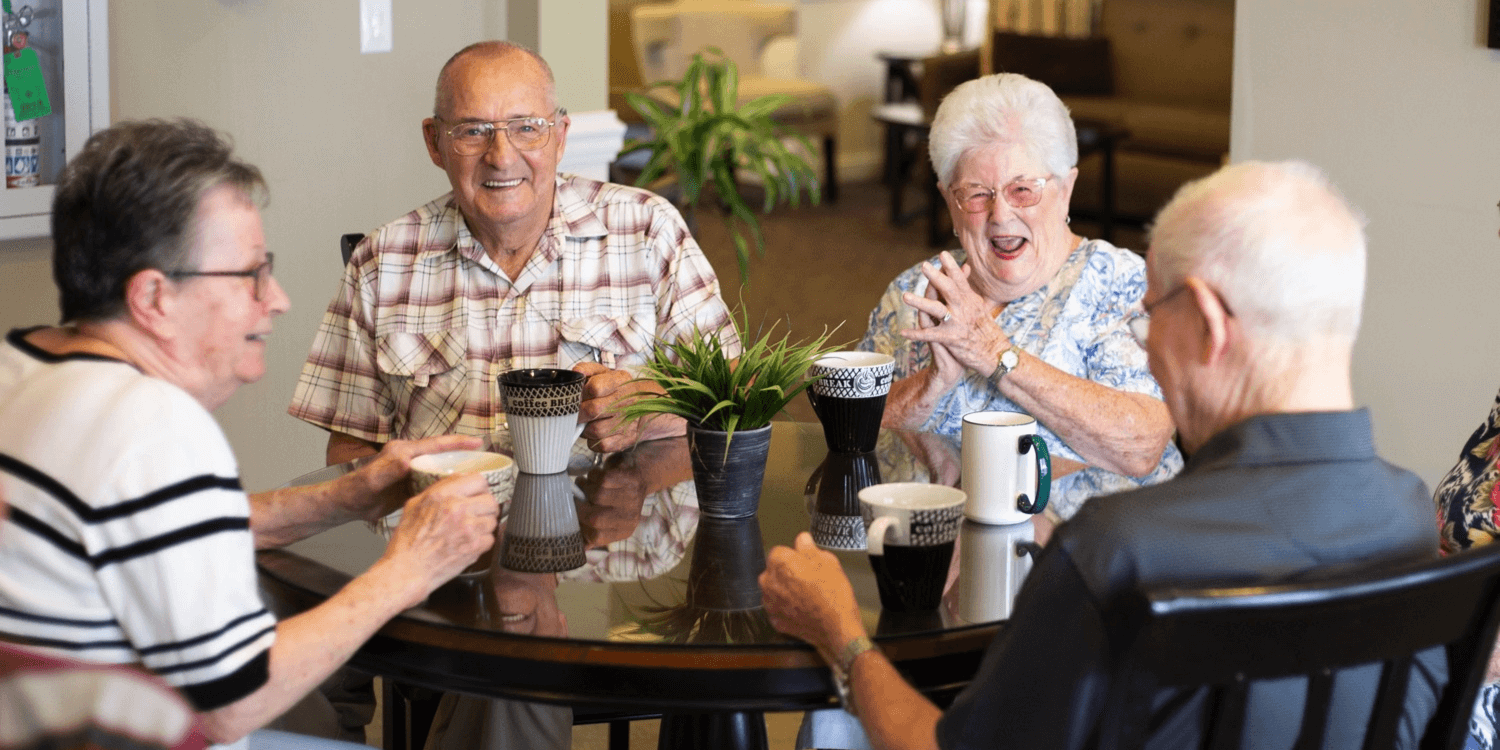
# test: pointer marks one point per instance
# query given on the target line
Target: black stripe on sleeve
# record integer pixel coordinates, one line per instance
(190, 642)
(170, 539)
(183, 667)
(90, 514)
(27, 640)
(17, 614)
(30, 523)
(207, 696)
(148, 546)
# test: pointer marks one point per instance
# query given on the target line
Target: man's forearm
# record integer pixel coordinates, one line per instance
(343, 447)
(895, 716)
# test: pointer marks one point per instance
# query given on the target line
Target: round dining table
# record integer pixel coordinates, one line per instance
(664, 615)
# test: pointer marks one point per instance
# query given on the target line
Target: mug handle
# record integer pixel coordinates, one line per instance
(1043, 474)
(875, 534)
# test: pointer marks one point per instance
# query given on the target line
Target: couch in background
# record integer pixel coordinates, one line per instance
(1161, 69)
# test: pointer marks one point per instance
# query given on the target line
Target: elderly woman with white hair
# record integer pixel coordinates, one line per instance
(1027, 316)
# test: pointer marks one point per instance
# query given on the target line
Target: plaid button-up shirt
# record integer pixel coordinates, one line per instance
(424, 321)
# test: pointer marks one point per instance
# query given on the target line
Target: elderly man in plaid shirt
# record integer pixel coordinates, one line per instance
(517, 267)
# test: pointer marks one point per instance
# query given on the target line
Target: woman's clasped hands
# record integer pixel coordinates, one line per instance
(956, 322)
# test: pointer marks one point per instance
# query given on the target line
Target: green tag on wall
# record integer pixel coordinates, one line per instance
(28, 92)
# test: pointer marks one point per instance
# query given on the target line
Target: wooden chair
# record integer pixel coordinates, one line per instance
(347, 243)
(1224, 638)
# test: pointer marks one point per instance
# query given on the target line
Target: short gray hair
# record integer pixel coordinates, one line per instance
(980, 113)
(1278, 242)
(493, 48)
(129, 201)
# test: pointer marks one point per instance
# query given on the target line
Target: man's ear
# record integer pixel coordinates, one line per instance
(1216, 319)
(151, 302)
(430, 138)
(562, 135)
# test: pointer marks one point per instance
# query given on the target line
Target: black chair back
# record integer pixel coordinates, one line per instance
(347, 243)
(1223, 638)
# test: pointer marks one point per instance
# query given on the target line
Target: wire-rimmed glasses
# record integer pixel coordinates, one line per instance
(525, 133)
(1022, 192)
(261, 273)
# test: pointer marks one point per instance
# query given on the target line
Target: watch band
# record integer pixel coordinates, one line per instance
(841, 669)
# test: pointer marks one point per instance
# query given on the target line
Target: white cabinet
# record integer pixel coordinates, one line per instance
(71, 41)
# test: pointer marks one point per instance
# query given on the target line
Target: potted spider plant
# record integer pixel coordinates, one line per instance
(702, 135)
(728, 403)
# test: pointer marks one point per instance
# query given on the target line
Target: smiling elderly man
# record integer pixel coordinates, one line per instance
(519, 266)
(1255, 280)
(130, 539)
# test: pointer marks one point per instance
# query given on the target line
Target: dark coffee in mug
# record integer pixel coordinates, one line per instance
(911, 578)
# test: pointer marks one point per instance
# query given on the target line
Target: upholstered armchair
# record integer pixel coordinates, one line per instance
(666, 35)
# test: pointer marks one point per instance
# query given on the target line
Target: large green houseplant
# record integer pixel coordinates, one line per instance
(728, 403)
(702, 135)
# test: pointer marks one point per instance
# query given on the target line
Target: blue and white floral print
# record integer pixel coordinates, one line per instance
(1076, 323)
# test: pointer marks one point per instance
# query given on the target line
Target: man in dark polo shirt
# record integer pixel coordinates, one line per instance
(1255, 283)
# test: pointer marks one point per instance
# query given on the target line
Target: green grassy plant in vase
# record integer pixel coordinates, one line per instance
(728, 404)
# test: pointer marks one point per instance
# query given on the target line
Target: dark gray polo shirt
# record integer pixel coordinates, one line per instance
(1271, 499)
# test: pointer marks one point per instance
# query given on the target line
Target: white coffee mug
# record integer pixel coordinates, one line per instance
(993, 563)
(1007, 471)
(498, 470)
(541, 407)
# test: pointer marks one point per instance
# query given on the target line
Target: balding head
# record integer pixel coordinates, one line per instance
(490, 50)
(1277, 241)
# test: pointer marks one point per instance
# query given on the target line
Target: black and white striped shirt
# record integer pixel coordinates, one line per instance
(129, 534)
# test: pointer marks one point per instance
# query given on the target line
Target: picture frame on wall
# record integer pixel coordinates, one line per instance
(1494, 24)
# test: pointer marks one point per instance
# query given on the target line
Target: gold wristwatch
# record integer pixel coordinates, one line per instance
(843, 665)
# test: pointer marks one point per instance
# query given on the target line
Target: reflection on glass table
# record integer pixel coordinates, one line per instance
(663, 613)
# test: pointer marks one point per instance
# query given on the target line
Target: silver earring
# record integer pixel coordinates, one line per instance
(1068, 219)
(955, 231)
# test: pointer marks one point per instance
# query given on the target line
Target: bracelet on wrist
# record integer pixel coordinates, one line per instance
(843, 665)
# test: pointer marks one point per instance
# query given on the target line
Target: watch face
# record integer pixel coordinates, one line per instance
(1009, 359)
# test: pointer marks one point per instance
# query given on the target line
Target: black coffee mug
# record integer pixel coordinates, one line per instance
(849, 398)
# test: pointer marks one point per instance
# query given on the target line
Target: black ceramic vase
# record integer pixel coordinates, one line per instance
(728, 472)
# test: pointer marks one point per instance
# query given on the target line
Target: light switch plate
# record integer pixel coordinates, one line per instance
(374, 26)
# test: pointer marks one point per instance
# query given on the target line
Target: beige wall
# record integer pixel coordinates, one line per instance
(336, 133)
(1398, 101)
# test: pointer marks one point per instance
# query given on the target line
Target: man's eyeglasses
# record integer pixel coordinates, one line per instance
(525, 133)
(1022, 192)
(1140, 325)
(261, 274)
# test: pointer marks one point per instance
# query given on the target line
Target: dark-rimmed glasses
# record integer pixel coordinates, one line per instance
(261, 274)
(525, 133)
(1022, 192)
